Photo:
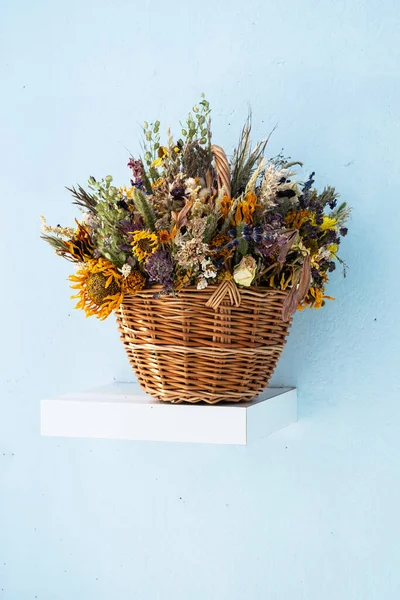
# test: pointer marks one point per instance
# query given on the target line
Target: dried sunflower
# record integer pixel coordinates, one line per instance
(79, 248)
(144, 243)
(100, 288)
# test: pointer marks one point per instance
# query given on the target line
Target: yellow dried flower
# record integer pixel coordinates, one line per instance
(164, 236)
(295, 219)
(225, 206)
(144, 244)
(245, 209)
(224, 275)
(219, 241)
(183, 279)
(99, 286)
(134, 283)
(127, 193)
(328, 223)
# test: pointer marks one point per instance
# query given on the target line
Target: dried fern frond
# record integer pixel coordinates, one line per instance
(60, 246)
(83, 198)
(245, 159)
(55, 242)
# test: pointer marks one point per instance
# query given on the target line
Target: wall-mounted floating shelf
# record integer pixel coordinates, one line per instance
(123, 411)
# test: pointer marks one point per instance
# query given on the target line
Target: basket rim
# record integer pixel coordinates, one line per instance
(254, 290)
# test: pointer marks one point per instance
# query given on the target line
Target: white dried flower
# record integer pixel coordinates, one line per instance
(202, 283)
(204, 193)
(269, 185)
(191, 184)
(323, 254)
(245, 271)
(208, 268)
(126, 269)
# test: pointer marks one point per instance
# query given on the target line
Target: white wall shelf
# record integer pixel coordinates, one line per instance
(123, 411)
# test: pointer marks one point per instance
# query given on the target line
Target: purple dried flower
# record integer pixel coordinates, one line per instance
(331, 266)
(160, 268)
(178, 191)
(137, 171)
(285, 193)
(273, 220)
(250, 233)
(331, 237)
(308, 184)
(257, 234)
(131, 224)
(316, 275)
(343, 231)
(309, 230)
(246, 233)
(332, 203)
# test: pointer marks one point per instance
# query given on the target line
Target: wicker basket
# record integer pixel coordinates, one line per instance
(183, 350)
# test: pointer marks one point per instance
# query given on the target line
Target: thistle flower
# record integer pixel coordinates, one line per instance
(252, 234)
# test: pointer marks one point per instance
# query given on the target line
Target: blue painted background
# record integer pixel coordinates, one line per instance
(310, 513)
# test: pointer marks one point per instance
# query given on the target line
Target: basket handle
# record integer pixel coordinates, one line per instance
(223, 169)
(226, 287)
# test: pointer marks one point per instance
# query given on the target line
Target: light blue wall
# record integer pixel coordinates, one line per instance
(312, 513)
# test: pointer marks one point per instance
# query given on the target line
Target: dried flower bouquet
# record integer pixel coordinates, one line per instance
(243, 231)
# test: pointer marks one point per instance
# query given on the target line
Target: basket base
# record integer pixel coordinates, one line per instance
(203, 396)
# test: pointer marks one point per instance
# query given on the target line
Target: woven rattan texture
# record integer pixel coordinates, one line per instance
(183, 351)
